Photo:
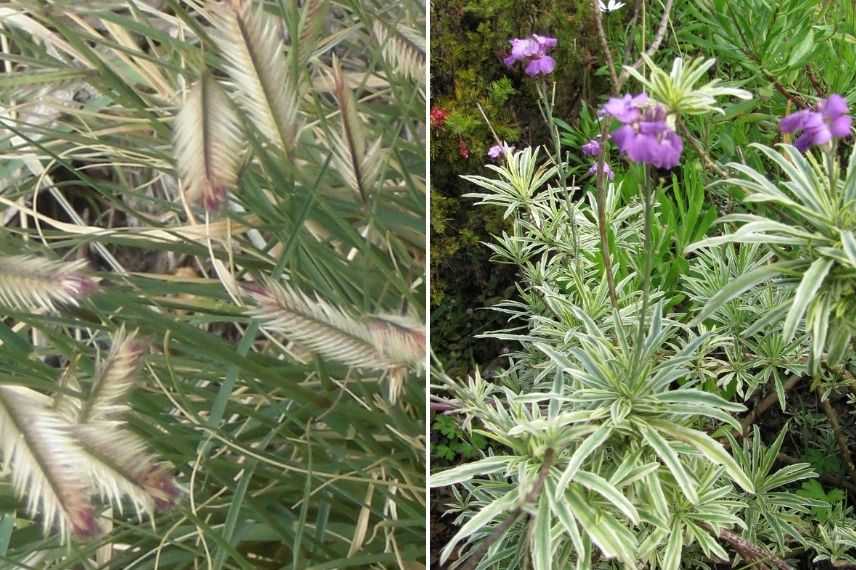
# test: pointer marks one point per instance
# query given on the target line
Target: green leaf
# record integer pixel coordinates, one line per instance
(542, 545)
(670, 458)
(563, 512)
(802, 52)
(492, 511)
(848, 240)
(605, 489)
(811, 282)
(586, 448)
(602, 528)
(674, 549)
(709, 447)
(467, 471)
(739, 286)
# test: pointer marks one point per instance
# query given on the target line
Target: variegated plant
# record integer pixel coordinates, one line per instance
(677, 89)
(629, 474)
(811, 230)
(612, 442)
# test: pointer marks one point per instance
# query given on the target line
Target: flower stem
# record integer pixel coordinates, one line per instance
(600, 198)
(648, 206)
(604, 45)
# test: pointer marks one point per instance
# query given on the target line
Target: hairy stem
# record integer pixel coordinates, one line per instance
(600, 198)
(513, 516)
(604, 45)
(655, 45)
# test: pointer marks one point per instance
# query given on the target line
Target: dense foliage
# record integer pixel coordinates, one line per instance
(683, 315)
(212, 284)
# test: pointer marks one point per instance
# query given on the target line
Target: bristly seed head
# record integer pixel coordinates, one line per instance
(30, 283)
(83, 523)
(160, 484)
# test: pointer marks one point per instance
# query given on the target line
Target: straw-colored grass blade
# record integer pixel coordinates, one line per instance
(208, 144)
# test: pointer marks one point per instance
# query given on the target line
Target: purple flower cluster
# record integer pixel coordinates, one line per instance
(533, 52)
(593, 148)
(828, 120)
(644, 135)
(607, 170)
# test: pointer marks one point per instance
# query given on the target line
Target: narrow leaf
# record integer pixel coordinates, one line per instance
(811, 282)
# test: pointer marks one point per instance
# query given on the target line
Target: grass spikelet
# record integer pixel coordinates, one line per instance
(402, 48)
(312, 17)
(114, 379)
(317, 325)
(208, 144)
(400, 339)
(66, 405)
(29, 283)
(252, 43)
(45, 462)
(357, 162)
(121, 464)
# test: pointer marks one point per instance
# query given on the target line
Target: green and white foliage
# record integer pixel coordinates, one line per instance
(242, 183)
(677, 89)
(773, 515)
(620, 418)
(811, 227)
(747, 327)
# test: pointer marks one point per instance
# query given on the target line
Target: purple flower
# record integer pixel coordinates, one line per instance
(497, 150)
(626, 109)
(532, 52)
(644, 135)
(524, 48)
(829, 120)
(606, 170)
(591, 148)
(543, 65)
(546, 43)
